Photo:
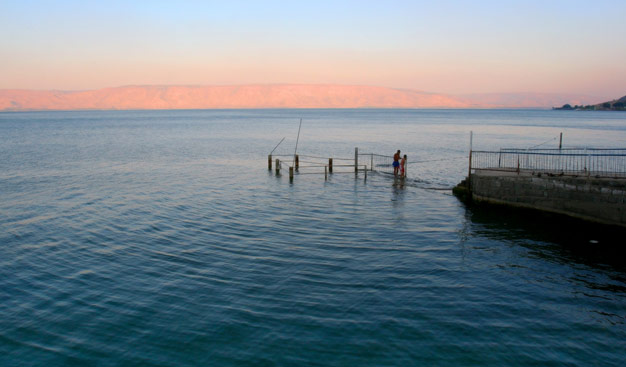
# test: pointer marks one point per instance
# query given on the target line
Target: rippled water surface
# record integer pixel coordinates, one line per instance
(160, 238)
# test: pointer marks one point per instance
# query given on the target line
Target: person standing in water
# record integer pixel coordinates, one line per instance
(396, 162)
(403, 166)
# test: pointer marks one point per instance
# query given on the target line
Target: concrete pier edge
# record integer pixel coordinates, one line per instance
(591, 199)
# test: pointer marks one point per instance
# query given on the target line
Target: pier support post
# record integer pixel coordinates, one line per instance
(290, 174)
(325, 173)
(277, 166)
(330, 165)
(356, 159)
(269, 162)
(297, 162)
(372, 162)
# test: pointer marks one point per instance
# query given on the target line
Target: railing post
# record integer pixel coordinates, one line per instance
(469, 170)
(587, 163)
(269, 162)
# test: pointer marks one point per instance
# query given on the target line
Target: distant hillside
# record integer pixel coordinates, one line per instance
(614, 105)
(262, 96)
(204, 97)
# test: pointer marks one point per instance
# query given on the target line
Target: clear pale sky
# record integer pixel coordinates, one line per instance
(445, 46)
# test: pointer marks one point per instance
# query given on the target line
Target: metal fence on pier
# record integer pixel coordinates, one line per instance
(572, 161)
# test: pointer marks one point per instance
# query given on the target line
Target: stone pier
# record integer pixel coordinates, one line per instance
(601, 200)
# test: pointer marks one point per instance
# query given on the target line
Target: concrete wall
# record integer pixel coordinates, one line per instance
(595, 199)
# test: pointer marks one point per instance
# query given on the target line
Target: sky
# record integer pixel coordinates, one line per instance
(454, 47)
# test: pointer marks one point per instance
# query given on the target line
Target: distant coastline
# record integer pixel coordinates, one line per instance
(614, 105)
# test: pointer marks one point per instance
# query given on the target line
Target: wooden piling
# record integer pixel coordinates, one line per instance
(269, 162)
(277, 166)
(290, 174)
(330, 165)
(356, 160)
(297, 162)
(325, 173)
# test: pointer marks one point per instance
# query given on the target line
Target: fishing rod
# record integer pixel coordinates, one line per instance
(277, 146)
(545, 142)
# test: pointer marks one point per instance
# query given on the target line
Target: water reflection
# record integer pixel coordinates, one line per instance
(397, 191)
(553, 236)
(580, 264)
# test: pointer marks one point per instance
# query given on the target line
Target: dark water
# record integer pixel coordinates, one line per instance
(159, 238)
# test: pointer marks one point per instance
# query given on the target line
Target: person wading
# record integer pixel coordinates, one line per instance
(396, 162)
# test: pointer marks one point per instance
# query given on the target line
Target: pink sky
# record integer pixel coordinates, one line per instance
(554, 47)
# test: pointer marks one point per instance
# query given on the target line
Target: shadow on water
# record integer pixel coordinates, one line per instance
(552, 236)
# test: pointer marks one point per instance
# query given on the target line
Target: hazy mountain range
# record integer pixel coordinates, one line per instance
(269, 96)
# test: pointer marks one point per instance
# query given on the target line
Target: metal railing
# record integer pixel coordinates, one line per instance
(302, 164)
(573, 161)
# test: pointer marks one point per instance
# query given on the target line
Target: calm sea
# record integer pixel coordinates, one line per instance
(160, 238)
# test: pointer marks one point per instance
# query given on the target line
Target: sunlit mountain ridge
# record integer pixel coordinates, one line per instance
(269, 96)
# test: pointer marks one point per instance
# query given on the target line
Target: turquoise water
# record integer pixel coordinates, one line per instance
(159, 238)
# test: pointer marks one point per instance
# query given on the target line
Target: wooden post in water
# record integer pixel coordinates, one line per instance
(372, 162)
(290, 174)
(330, 165)
(325, 173)
(269, 162)
(561, 141)
(356, 160)
(277, 166)
(297, 162)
